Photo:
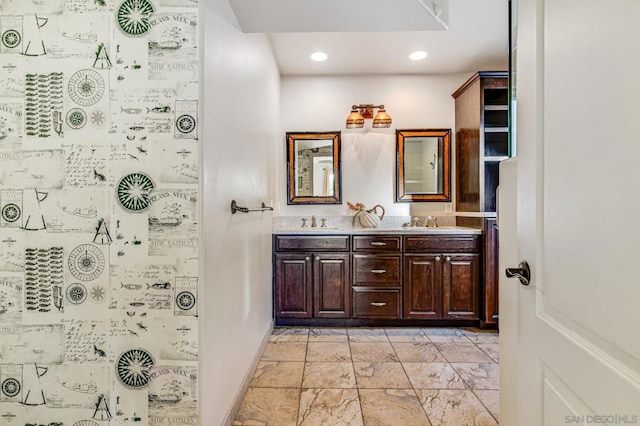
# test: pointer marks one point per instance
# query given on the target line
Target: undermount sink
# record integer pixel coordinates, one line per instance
(321, 228)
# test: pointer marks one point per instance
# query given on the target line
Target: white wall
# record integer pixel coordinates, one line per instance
(240, 126)
(368, 158)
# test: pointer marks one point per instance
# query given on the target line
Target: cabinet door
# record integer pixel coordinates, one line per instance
(461, 286)
(292, 292)
(422, 286)
(491, 271)
(331, 286)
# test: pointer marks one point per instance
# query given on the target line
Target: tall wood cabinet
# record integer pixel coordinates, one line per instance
(482, 139)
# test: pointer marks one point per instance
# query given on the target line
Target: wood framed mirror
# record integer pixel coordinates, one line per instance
(313, 168)
(423, 165)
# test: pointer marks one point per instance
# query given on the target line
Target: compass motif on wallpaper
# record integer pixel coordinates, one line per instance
(185, 300)
(98, 118)
(85, 423)
(134, 191)
(86, 87)
(11, 212)
(86, 262)
(98, 293)
(11, 38)
(133, 368)
(76, 118)
(76, 293)
(133, 16)
(185, 123)
(11, 387)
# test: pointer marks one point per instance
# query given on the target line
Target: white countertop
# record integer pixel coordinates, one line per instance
(411, 230)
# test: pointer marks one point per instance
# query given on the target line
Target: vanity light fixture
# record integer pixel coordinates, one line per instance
(360, 112)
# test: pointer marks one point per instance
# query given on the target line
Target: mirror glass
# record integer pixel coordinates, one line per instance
(423, 163)
(313, 168)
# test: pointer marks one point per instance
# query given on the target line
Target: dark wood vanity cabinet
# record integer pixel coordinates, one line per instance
(491, 274)
(331, 290)
(369, 277)
(442, 277)
(293, 292)
(461, 286)
(313, 282)
(377, 277)
(422, 286)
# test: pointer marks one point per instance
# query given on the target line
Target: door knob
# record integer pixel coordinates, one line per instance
(522, 272)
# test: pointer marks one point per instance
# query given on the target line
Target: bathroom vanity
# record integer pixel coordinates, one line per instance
(361, 276)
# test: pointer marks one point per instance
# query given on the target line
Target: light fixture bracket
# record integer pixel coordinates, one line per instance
(360, 112)
(366, 110)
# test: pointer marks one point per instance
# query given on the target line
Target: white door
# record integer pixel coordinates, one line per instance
(578, 214)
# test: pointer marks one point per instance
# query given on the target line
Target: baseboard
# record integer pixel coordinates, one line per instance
(237, 400)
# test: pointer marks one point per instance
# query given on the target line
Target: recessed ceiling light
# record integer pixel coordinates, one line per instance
(319, 56)
(418, 55)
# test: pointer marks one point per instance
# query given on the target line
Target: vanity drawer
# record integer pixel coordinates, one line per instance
(311, 243)
(382, 243)
(376, 270)
(441, 244)
(376, 303)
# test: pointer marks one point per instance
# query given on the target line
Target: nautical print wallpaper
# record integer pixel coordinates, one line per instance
(99, 167)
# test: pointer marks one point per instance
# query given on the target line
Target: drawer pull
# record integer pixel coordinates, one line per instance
(378, 271)
(378, 243)
(378, 304)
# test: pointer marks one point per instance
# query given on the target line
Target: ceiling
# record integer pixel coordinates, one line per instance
(459, 35)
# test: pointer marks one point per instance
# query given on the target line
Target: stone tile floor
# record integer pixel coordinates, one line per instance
(375, 377)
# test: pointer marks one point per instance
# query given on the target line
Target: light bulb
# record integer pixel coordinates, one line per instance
(418, 55)
(319, 56)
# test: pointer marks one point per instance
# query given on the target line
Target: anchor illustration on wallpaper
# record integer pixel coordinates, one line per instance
(34, 219)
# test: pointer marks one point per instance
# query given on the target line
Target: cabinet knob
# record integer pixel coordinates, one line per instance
(307, 258)
(380, 304)
(317, 257)
(448, 259)
(437, 258)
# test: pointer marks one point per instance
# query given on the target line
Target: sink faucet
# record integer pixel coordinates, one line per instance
(314, 224)
(431, 222)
